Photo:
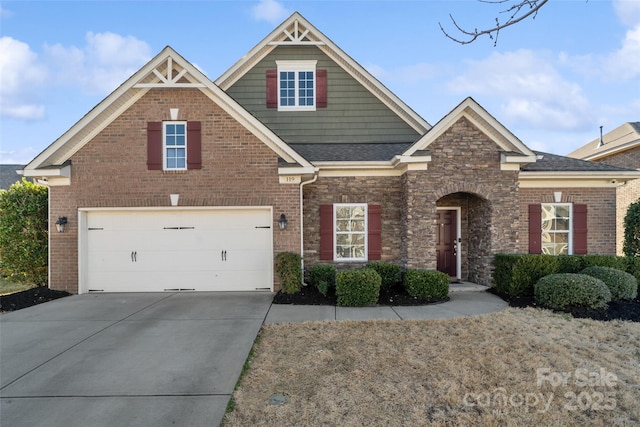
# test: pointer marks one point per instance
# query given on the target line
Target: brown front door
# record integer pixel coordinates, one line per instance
(446, 236)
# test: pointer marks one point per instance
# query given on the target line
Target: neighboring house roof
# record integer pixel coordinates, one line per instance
(622, 138)
(548, 162)
(9, 175)
(166, 70)
(296, 30)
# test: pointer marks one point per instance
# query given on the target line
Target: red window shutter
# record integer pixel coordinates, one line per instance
(321, 88)
(272, 88)
(535, 229)
(194, 146)
(375, 232)
(154, 145)
(326, 232)
(580, 229)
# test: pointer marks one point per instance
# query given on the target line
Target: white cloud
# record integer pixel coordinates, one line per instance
(18, 157)
(625, 62)
(21, 73)
(628, 11)
(530, 89)
(102, 64)
(271, 11)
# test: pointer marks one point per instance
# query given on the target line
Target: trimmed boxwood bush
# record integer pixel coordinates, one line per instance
(570, 263)
(289, 270)
(516, 275)
(612, 261)
(323, 277)
(426, 284)
(566, 290)
(357, 288)
(390, 273)
(621, 284)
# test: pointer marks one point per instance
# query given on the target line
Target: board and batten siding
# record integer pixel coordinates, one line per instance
(353, 114)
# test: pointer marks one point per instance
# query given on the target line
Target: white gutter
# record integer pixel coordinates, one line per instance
(311, 181)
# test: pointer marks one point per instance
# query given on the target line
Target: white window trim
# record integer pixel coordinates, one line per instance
(298, 66)
(164, 144)
(570, 237)
(366, 232)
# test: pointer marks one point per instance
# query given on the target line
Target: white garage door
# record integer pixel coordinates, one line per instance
(155, 251)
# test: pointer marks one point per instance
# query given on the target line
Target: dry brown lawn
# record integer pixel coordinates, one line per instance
(518, 367)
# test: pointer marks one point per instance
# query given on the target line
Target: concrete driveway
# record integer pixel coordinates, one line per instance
(155, 359)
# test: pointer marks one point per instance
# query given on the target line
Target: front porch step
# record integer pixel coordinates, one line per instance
(466, 286)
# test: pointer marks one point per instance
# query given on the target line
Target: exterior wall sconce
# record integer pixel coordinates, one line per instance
(283, 222)
(60, 223)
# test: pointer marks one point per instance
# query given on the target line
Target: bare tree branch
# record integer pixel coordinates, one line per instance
(517, 12)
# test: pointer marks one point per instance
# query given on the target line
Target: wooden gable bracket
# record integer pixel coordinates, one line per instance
(167, 79)
(296, 37)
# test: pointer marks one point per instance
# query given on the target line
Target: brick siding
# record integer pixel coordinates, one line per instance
(601, 213)
(628, 193)
(111, 171)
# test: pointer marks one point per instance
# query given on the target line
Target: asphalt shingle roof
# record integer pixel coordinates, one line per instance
(362, 152)
(8, 175)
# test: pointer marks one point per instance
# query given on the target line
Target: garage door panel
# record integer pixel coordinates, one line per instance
(152, 251)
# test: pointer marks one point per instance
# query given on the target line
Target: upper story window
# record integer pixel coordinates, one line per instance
(557, 229)
(297, 85)
(175, 145)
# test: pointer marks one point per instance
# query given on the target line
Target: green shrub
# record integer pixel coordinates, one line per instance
(570, 263)
(566, 290)
(358, 287)
(516, 275)
(633, 267)
(323, 277)
(289, 270)
(24, 231)
(426, 284)
(631, 246)
(390, 273)
(621, 284)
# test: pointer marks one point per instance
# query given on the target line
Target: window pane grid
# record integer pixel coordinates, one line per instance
(297, 89)
(556, 229)
(175, 142)
(350, 232)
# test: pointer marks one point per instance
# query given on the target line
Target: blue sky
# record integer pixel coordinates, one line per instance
(552, 81)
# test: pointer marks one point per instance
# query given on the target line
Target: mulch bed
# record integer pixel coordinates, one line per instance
(24, 299)
(616, 310)
(309, 295)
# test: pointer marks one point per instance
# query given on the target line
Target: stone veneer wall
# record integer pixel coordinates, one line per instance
(628, 193)
(464, 160)
(601, 212)
(111, 171)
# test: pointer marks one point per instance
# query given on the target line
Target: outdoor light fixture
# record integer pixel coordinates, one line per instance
(283, 222)
(60, 223)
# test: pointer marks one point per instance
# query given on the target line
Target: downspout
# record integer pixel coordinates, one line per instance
(311, 181)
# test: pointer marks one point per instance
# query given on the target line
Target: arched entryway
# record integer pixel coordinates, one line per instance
(463, 236)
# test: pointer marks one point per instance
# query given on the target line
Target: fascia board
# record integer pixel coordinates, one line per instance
(465, 109)
(612, 151)
(572, 175)
(307, 170)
